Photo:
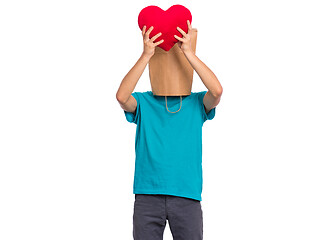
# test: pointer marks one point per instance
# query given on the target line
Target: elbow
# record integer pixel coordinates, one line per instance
(120, 99)
(218, 92)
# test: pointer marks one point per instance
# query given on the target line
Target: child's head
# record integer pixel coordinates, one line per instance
(170, 72)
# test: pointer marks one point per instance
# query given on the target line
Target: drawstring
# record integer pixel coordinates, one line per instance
(177, 110)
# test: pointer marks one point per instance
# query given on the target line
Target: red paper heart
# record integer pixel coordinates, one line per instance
(165, 22)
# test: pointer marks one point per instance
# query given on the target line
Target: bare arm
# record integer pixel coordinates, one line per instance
(212, 97)
(127, 85)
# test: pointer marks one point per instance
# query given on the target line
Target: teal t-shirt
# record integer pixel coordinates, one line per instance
(168, 146)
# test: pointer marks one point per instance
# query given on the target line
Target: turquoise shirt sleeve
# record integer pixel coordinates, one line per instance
(130, 117)
(206, 116)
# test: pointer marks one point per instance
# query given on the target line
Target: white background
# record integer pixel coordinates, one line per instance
(67, 151)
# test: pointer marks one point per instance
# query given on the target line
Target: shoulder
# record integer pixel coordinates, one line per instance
(142, 96)
(139, 94)
(199, 95)
(145, 94)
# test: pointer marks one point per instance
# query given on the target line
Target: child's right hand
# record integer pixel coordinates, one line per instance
(149, 45)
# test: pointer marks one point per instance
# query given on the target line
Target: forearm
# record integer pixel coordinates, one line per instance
(207, 76)
(131, 79)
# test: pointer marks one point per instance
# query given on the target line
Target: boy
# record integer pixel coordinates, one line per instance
(168, 166)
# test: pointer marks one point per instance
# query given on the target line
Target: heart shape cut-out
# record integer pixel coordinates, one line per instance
(165, 22)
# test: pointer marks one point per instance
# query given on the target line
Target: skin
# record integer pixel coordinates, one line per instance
(211, 98)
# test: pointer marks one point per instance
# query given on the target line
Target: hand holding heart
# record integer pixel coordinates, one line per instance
(149, 45)
(184, 42)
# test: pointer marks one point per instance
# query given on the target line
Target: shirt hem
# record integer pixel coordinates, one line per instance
(143, 191)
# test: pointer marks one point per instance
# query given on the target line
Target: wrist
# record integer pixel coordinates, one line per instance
(146, 56)
(188, 53)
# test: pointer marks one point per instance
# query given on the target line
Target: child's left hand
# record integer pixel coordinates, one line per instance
(185, 42)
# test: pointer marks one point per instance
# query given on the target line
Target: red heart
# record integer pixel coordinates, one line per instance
(165, 22)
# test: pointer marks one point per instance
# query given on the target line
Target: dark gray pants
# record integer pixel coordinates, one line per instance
(151, 211)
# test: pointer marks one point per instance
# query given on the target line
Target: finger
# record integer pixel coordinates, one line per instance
(178, 38)
(159, 42)
(149, 30)
(189, 25)
(143, 30)
(156, 36)
(181, 31)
